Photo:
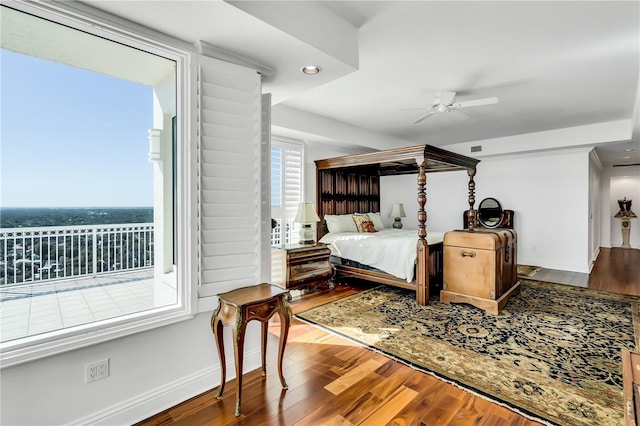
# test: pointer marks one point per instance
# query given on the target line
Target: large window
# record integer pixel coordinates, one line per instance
(91, 161)
(286, 190)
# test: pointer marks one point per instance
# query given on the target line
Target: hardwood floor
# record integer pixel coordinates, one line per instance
(617, 270)
(335, 382)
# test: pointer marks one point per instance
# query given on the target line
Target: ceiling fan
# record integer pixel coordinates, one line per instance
(444, 102)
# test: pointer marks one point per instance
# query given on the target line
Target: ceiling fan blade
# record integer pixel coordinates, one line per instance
(422, 118)
(461, 114)
(415, 108)
(477, 102)
(446, 98)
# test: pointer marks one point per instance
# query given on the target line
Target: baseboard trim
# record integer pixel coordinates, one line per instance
(594, 258)
(166, 396)
(555, 266)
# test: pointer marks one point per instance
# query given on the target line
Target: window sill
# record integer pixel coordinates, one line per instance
(40, 346)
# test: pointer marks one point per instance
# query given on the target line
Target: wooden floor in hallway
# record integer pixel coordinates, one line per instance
(328, 377)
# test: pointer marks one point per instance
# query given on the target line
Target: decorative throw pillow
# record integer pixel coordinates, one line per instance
(358, 218)
(368, 227)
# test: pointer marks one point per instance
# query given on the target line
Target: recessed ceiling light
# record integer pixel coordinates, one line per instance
(626, 158)
(311, 69)
(628, 150)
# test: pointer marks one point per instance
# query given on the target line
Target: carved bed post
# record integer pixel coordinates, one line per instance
(471, 213)
(422, 249)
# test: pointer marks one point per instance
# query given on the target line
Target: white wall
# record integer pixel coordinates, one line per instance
(448, 191)
(150, 371)
(549, 193)
(617, 183)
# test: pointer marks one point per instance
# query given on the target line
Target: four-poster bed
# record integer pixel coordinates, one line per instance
(351, 184)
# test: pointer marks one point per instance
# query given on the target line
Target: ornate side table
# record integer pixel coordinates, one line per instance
(237, 308)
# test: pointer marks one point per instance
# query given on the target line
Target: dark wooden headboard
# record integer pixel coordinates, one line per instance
(340, 191)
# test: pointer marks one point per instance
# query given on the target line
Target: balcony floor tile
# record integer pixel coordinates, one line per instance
(37, 308)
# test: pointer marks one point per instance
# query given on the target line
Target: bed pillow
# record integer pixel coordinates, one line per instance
(359, 219)
(377, 220)
(340, 223)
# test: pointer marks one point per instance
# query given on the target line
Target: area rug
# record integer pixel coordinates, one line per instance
(553, 353)
(527, 271)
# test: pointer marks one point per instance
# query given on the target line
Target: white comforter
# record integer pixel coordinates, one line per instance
(390, 250)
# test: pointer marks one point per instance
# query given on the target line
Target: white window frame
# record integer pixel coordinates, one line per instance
(89, 20)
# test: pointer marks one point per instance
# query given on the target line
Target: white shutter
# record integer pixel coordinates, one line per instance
(291, 161)
(292, 194)
(229, 113)
(265, 202)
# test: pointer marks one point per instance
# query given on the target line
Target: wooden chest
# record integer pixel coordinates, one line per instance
(480, 268)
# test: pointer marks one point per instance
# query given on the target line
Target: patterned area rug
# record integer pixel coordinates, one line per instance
(552, 354)
(526, 271)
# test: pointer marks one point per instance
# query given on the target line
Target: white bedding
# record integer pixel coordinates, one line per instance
(390, 250)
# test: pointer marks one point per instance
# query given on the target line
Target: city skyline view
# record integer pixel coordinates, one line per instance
(72, 137)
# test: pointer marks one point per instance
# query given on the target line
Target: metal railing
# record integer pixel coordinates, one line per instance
(278, 237)
(56, 252)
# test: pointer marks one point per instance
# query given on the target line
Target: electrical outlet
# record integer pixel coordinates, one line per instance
(97, 370)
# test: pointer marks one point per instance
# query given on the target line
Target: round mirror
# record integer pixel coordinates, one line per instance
(490, 213)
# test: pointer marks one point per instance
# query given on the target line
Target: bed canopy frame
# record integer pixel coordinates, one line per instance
(351, 184)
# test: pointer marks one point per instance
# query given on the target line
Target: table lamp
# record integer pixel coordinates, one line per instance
(397, 211)
(306, 216)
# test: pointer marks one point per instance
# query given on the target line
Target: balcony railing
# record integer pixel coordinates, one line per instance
(46, 253)
(278, 237)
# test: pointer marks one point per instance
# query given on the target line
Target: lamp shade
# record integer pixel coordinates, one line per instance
(306, 214)
(397, 210)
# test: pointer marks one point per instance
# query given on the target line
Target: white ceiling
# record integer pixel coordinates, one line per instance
(552, 65)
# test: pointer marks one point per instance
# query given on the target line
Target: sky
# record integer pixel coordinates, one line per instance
(72, 138)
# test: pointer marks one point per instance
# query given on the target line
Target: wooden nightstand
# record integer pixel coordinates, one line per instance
(296, 265)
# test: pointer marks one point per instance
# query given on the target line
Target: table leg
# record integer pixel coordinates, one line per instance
(265, 330)
(217, 328)
(285, 319)
(238, 336)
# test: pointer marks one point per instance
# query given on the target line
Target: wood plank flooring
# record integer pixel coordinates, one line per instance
(617, 270)
(335, 382)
